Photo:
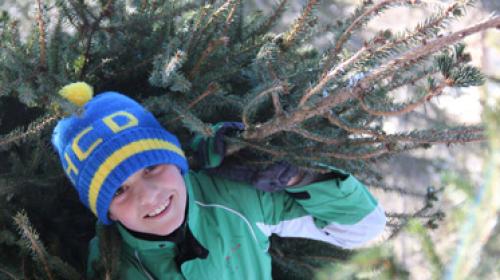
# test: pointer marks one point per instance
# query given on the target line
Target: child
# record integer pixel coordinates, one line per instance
(179, 224)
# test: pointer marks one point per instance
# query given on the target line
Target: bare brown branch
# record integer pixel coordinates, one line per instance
(41, 36)
(212, 46)
(353, 156)
(22, 222)
(211, 89)
(229, 19)
(195, 36)
(95, 25)
(299, 24)
(275, 88)
(318, 138)
(278, 110)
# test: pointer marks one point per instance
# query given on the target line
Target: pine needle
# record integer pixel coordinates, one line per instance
(33, 242)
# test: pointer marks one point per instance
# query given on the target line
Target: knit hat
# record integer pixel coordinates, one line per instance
(111, 139)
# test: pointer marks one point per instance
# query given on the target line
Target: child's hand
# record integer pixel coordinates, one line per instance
(277, 176)
(209, 152)
(225, 129)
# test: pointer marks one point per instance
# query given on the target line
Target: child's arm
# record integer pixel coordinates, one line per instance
(340, 211)
(338, 208)
(210, 155)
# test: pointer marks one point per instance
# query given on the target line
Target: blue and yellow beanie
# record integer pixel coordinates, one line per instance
(112, 138)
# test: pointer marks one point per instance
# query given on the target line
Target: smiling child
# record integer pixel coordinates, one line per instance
(179, 224)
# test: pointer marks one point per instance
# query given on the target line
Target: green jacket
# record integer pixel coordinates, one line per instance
(233, 222)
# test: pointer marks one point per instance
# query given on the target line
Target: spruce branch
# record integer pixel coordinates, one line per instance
(356, 23)
(315, 137)
(305, 112)
(30, 235)
(214, 19)
(218, 13)
(189, 120)
(419, 137)
(211, 89)
(331, 75)
(106, 12)
(378, 149)
(172, 66)
(459, 135)
(230, 16)
(33, 129)
(407, 107)
(272, 19)
(248, 109)
(195, 36)
(337, 121)
(166, 74)
(376, 152)
(428, 247)
(9, 274)
(366, 153)
(299, 26)
(420, 33)
(399, 190)
(397, 80)
(236, 144)
(428, 48)
(212, 46)
(41, 36)
(278, 109)
(402, 219)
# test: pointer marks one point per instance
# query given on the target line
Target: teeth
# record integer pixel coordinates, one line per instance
(159, 209)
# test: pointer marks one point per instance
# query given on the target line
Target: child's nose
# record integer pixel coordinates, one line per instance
(148, 193)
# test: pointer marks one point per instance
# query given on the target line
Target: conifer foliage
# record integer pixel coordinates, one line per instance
(194, 63)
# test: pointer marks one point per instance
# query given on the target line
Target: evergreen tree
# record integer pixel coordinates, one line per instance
(194, 63)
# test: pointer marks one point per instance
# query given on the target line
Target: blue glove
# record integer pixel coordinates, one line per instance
(209, 152)
(274, 177)
(225, 129)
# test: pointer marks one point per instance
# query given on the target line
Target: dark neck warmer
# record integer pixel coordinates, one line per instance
(189, 248)
(176, 236)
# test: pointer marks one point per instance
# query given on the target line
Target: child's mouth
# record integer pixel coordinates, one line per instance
(161, 210)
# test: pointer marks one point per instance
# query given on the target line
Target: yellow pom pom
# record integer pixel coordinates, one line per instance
(77, 93)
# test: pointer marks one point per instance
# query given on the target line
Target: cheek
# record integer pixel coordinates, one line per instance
(118, 207)
(111, 214)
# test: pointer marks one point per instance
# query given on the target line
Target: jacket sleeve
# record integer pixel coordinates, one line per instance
(340, 211)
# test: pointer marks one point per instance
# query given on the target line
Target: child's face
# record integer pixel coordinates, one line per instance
(152, 200)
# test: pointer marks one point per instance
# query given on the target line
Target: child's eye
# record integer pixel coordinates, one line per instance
(150, 168)
(121, 190)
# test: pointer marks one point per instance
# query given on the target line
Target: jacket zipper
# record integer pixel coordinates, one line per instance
(142, 267)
